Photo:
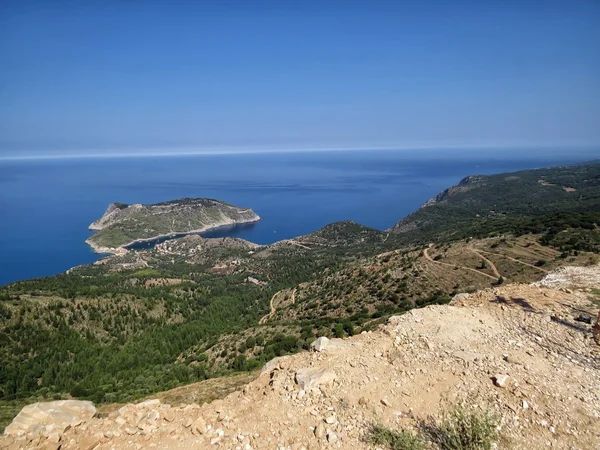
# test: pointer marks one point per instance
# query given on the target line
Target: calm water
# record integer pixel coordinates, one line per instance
(47, 205)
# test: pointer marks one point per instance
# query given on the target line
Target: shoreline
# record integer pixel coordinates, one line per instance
(123, 248)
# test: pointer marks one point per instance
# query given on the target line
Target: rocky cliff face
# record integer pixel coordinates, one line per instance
(523, 353)
(123, 224)
(464, 185)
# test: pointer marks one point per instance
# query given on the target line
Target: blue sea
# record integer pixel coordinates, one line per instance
(46, 205)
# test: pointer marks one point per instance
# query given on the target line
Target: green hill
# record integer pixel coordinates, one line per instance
(191, 308)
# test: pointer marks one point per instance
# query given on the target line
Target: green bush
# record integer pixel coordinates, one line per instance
(395, 440)
(463, 428)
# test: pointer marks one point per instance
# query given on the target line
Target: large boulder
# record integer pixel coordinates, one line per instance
(47, 417)
(313, 377)
(320, 344)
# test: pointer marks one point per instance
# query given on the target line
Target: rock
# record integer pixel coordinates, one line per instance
(332, 437)
(501, 380)
(169, 415)
(89, 442)
(467, 356)
(199, 426)
(330, 420)
(585, 318)
(54, 437)
(461, 296)
(272, 365)
(513, 360)
(525, 404)
(312, 377)
(188, 423)
(320, 431)
(385, 402)
(34, 418)
(320, 344)
(148, 403)
(362, 401)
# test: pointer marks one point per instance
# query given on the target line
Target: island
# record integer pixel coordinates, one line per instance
(123, 224)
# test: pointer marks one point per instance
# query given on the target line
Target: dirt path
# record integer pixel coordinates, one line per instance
(299, 245)
(266, 317)
(491, 264)
(272, 307)
(513, 259)
(430, 259)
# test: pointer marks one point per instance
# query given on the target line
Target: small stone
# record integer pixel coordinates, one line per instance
(169, 415)
(188, 423)
(320, 431)
(501, 380)
(513, 360)
(332, 437)
(525, 404)
(385, 402)
(130, 431)
(54, 437)
(330, 420)
(199, 426)
(362, 401)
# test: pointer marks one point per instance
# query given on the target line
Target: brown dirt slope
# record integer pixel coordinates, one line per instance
(409, 370)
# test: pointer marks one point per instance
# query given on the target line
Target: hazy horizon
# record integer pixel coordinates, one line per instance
(450, 152)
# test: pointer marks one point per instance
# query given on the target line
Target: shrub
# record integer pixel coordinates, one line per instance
(395, 440)
(463, 428)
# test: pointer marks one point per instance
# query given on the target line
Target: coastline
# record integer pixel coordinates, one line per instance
(123, 248)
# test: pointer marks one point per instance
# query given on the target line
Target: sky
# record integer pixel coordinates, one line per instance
(100, 77)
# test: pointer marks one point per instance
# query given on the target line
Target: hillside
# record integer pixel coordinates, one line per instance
(530, 201)
(514, 366)
(123, 224)
(190, 308)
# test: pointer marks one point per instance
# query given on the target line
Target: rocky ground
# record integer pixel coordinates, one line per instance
(524, 352)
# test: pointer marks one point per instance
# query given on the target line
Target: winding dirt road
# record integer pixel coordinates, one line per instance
(430, 259)
(491, 264)
(272, 308)
(515, 260)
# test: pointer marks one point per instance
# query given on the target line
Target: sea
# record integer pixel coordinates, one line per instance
(46, 205)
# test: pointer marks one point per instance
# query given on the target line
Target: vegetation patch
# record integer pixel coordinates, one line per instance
(395, 440)
(460, 428)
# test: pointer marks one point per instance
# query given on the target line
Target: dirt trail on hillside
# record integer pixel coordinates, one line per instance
(430, 259)
(516, 350)
(267, 316)
(490, 263)
(513, 259)
(273, 308)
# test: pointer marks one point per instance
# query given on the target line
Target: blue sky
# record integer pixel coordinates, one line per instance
(92, 77)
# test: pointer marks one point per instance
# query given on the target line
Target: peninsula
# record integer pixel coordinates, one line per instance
(122, 224)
